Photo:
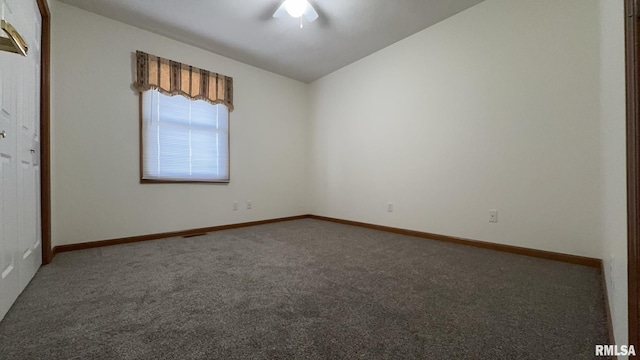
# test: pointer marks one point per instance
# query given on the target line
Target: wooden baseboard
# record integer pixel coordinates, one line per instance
(190, 232)
(573, 259)
(612, 339)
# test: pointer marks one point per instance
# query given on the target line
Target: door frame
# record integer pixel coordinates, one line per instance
(45, 130)
(632, 51)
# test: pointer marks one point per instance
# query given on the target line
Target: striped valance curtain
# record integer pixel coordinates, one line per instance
(174, 78)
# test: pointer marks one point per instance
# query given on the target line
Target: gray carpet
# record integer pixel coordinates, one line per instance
(305, 289)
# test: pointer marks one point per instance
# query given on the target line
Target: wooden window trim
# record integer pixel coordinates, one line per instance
(166, 181)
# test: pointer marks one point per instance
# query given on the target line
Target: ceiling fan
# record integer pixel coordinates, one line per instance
(297, 9)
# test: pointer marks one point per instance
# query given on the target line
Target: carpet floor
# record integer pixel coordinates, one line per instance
(305, 289)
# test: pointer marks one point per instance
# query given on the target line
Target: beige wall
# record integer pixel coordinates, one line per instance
(96, 193)
(614, 195)
(494, 108)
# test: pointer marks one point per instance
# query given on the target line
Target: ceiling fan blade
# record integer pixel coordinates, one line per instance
(280, 12)
(310, 14)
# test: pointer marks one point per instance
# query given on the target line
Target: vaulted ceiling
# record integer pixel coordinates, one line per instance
(244, 30)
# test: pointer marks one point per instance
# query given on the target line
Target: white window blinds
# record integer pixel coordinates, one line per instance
(183, 139)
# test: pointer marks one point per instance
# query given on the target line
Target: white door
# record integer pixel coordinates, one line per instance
(9, 281)
(20, 235)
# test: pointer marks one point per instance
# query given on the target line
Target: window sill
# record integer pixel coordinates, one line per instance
(168, 181)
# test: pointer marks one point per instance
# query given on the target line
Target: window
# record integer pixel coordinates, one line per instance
(184, 140)
(184, 121)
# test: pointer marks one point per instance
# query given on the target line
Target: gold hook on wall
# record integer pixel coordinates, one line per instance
(14, 43)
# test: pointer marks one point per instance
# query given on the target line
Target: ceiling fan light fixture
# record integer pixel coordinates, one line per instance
(296, 8)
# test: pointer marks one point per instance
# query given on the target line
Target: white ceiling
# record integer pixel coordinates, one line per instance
(244, 30)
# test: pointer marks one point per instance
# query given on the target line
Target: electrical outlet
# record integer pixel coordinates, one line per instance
(390, 207)
(493, 216)
(235, 206)
(249, 205)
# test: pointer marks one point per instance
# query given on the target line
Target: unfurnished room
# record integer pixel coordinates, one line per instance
(319, 179)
